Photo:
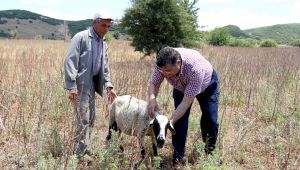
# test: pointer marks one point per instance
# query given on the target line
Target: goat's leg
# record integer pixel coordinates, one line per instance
(114, 127)
(120, 142)
(143, 152)
(142, 147)
(111, 127)
(108, 137)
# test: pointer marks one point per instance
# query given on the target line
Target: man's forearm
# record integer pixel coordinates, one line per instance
(153, 91)
(181, 109)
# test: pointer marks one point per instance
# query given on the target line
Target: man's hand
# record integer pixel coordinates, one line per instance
(111, 95)
(152, 107)
(72, 94)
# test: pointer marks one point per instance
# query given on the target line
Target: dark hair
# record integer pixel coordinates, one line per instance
(167, 56)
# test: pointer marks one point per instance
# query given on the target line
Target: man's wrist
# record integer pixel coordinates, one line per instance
(152, 97)
(173, 117)
(171, 121)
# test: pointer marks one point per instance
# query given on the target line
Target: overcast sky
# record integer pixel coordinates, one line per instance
(213, 13)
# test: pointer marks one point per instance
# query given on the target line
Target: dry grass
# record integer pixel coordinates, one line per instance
(259, 108)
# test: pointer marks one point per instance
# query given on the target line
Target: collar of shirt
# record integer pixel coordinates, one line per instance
(98, 39)
(182, 65)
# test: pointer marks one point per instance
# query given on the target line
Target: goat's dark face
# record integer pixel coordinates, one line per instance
(160, 125)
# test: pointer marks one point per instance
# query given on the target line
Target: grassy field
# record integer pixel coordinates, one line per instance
(259, 110)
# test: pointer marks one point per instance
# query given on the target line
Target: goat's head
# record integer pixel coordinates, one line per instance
(160, 124)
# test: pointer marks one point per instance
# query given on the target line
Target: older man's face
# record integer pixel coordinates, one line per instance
(102, 27)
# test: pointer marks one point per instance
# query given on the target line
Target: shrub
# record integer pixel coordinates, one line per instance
(116, 35)
(268, 43)
(3, 21)
(296, 43)
(108, 37)
(54, 143)
(107, 158)
(235, 42)
(218, 36)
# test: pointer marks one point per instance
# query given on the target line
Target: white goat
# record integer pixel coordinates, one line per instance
(129, 115)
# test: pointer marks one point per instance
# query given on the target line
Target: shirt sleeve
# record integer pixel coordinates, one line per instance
(194, 85)
(157, 77)
(106, 73)
(71, 62)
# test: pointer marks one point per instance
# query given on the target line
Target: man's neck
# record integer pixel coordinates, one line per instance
(98, 36)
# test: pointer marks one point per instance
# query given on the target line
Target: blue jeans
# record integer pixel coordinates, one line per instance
(208, 101)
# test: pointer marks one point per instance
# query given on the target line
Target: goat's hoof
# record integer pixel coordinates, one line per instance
(121, 148)
(135, 166)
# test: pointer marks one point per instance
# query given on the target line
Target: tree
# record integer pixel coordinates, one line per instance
(154, 24)
(219, 37)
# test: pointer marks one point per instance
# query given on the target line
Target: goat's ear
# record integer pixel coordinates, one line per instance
(151, 122)
(171, 128)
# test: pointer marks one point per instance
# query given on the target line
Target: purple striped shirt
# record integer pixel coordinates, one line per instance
(194, 76)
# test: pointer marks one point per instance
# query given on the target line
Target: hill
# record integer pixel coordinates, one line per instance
(23, 14)
(235, 31)
(24, 24)
(28, 25)
(282, 33)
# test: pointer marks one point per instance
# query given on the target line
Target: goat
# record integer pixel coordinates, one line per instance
(129, 115)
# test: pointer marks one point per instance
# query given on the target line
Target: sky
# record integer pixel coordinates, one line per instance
(213, 13)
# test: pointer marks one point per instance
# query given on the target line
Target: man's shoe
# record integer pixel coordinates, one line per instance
(178, 165)
(88, 152)
(86, 158)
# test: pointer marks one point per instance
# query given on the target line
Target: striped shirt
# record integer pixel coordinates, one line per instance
(194, 76)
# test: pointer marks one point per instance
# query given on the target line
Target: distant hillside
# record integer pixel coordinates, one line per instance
(77, 26)
(28, 25)
(22, 14)
(235, 31)
(283, 33)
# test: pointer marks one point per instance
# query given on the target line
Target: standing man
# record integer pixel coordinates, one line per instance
(86, 72)
(192, 76)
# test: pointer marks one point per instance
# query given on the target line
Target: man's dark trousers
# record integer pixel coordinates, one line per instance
(208, 101)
